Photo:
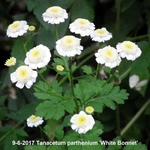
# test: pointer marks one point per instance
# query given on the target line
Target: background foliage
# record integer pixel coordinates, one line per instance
(126, 19)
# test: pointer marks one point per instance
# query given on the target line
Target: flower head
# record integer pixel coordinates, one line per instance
(38, 57)
(128, 50)
(82, 26)
(60, 68)
(34, 121)
(134, 82)
(23, 76)
(89, 109)
(108, 56)
(69, 46)
(10, 62)
(82, 122)
(101, 35)
(55, 15)
(17, 28)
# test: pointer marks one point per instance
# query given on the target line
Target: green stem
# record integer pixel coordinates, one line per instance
(79, 65)
(118, 3)
(118, 120)
(138, 37)
(97, 71)
(123, 75)
(134, 119)
(56, 32)
(70, 77)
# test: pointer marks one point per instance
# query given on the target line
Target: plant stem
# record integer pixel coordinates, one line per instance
(71, 82)
(70, 77)
(134, 119)
(118, 3)
(56, 32)
(118, 120)
(79, 65)
(97, 71)
(138, 37)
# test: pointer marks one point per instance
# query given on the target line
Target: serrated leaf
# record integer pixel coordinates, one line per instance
(56, 103)
(87, 69)
(99, 94)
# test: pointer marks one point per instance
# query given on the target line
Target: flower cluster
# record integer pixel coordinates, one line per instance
(68, 46)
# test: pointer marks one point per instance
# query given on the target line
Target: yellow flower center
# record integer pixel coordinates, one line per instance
(109, 54)
(55, 10)
(89, 109)
(15, 26)
(36, 54)
(101, 32)
(23, 73)
(129, 47)
(69, 41)
(34, 119)
(83, 22)
(82, 121)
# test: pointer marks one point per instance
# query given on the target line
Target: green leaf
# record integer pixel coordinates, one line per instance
(46, 37)
(40, 147)
(50, 110)
(56, 103)
(54, 129)
(87, 69)
(143, 62)
(82, 9)
(11, 134)
(99, 94)
(136, 147)
(19, 49)
(44, 91)
(23, 113)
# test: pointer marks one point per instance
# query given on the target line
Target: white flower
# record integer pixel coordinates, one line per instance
(128, 50)
(82, 26)
(69, 46)
(82, 122)
(38, 57)
(17, 28)
(134, 82)
(101, 35)
(55, 15)
(108, 56)
(23, 76)
(34, 121)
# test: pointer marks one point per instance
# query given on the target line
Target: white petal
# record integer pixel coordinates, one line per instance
(13, 77)
(20, 85)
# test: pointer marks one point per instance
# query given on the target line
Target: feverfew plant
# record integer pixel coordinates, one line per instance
(66, 79)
